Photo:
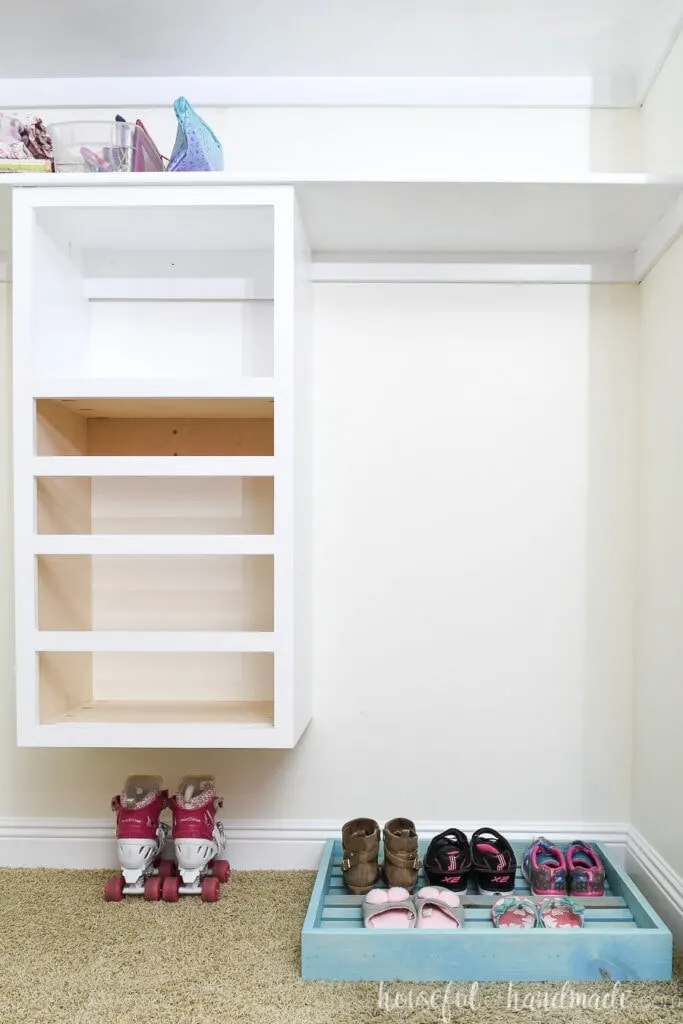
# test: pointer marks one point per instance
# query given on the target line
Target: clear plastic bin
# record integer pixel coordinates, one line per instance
(103, 146)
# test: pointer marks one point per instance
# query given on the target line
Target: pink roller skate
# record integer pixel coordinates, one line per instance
(141, 838)
(199, 841)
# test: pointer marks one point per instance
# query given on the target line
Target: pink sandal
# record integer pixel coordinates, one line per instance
(389, 908)
(438, 908)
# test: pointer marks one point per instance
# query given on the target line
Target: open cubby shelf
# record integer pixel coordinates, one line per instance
(137, 426)
(158, 344)
(154, 505)
(185, 291)
(176, 592)
(155, 687)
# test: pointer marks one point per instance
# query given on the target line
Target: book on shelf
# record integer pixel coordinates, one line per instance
(25, 166)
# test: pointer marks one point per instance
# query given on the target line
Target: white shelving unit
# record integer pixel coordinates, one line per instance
(161, 434)
(161, 425)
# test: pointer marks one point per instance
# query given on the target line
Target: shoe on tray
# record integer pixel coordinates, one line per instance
(545, 868)
(586, 874)
(514, 912)
(560, 912)
(360, 855)
(552, 912)
(431, 908)
(493, 862)
(401, 861)
(438, 909)
(448, 860)
(389, 908)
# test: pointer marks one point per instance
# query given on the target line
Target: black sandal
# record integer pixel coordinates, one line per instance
(448, 860)
(494, 863)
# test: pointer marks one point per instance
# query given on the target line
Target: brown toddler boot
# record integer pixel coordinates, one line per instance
(360, 844)
(401, 862)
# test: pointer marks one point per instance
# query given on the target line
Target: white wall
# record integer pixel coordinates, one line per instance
(420, 141)
(658, 751)
(658, 705)
(472, 556)
(662, 126)
(473, 516)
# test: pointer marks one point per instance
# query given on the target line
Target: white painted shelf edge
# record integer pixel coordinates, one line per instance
(154, 735)
(579, 228)
(153, 544)
(227, 178)
(153, 465)
(140, 641)
(157, 387)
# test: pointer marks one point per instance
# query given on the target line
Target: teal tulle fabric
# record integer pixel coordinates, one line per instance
(196, 148)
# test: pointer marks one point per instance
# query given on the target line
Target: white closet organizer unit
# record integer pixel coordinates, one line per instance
(161, 437)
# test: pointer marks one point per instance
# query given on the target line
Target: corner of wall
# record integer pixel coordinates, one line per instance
(657, 761)
(662, 127)
(657, 880)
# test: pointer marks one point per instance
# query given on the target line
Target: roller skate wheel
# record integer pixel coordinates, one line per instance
(153, 888)
(220, 869)
(211, 889)
(113, 890)
(170, 889)
(166, 868)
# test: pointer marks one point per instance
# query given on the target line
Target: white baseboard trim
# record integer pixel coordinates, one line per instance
(657, 880)
(280, 845)
(252, 845)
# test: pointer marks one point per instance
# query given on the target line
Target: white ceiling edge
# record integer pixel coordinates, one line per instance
(50, 93)
(629, 89)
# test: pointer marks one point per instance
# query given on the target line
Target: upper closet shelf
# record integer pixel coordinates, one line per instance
(594, 227)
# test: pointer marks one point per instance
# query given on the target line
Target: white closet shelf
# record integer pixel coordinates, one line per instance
(153, 544)
(167, 724)
(140, 641)
(153, 465)
(126, 389)
(483, 175)
(587, 227)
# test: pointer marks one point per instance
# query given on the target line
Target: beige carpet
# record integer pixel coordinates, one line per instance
(67, 957)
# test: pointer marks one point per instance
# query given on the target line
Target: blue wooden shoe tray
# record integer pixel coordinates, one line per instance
(623, 939)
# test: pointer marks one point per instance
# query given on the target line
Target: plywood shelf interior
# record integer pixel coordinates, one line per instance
(242, 713)
(156, 349)
(169, 427)
(83, 686)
